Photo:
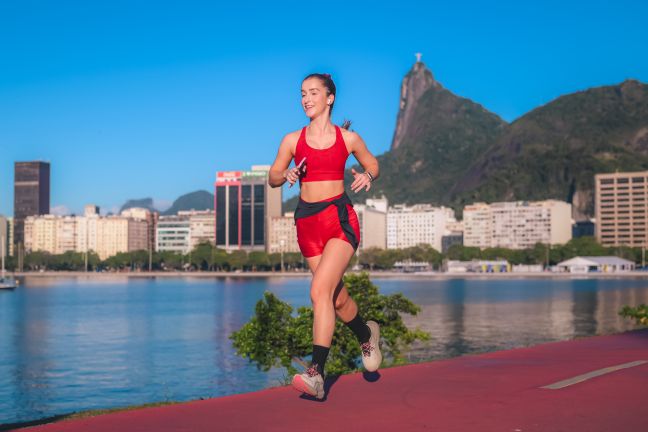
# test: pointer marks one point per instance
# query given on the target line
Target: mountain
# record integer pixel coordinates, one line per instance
(146, 203)
(436, 143)
(199, 200)
(449, 150)
(555, 150)
(415, 83)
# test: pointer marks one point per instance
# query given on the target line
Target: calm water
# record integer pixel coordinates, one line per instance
(69, 345)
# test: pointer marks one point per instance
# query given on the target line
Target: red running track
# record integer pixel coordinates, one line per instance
(499, 391)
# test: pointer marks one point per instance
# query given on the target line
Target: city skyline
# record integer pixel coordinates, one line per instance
(140, 101)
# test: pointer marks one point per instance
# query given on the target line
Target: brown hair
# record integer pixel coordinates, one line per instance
(327, 82)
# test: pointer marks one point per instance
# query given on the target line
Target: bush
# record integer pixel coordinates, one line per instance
(639, 313)
(274, 337)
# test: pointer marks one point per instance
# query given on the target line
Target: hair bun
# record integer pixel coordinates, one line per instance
(327, 76)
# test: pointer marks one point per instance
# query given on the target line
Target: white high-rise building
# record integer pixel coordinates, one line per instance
(66, 234)
(477, 225)
(106, 236)
(202, 226)
(517, 225)
(40, 233)
(409, 226)
(372, 218)
(282, 235)
(5, 233)
(173, 234)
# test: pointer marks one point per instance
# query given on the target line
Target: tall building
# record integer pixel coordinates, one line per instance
(5, 232)
(478, 225)
(282, 235)
(10, 222)
(40, 233)
(372, 218)
(117, 234)
(409, 226)
(202, 226)
(518, 224)
(173, 234)
(31, 194)
(106, 236)
(620, 208)
(244, 204)
(151, 218)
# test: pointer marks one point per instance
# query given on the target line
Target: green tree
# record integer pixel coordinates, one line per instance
(274, 337)
(463, 253)
(258, 259)
(201, 256)
(237, 259)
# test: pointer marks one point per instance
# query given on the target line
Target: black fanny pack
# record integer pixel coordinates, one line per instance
(305, 209)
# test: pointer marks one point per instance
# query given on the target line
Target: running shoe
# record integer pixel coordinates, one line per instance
(371, 356)
(310, 382)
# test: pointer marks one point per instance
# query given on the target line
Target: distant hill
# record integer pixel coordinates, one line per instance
(555, 150)
(199, 200)
(449, 150)
(146, 203)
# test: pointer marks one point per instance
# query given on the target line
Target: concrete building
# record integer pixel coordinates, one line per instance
(117, 234)
(621, 208)
(244, 204)
(372, 218)
(151, 218)
(283, 234)
(12, 242)
(106, 236)
(420, 223)
(478, 225)
(476, 266)
(202, 226)
(173, 234)
(87, 229)
(39, 233)
(602, 264)
(5, 233)
(66, 234)
(517, 225)
(31, 194)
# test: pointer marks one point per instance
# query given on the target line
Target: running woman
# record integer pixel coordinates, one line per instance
(328, 232)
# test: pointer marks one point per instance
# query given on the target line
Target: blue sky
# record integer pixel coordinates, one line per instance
(134, 99)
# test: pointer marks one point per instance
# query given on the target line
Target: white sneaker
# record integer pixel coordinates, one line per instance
(371, 356)
(310, 382)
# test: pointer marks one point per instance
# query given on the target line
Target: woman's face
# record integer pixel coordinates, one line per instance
(314, 98)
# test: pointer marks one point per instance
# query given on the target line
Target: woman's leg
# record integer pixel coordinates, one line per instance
(326, 279)
(345, 308)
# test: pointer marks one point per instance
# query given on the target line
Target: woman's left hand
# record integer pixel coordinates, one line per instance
(360, 181)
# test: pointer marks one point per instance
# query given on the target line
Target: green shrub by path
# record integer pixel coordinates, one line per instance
(639, 313)
(275, 337)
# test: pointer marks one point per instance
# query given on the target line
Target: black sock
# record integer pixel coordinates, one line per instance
(319, 357)
(359, 328)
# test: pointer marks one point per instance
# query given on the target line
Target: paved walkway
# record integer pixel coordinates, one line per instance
(499, 391)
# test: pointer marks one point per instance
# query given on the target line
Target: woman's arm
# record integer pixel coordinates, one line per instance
(279, 172)
(366, 159)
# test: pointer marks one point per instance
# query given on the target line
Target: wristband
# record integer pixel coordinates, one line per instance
(371, 178)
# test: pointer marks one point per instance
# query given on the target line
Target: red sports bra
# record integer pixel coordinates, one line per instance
(322, 164)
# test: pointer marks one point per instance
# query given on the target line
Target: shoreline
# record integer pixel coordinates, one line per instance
(372, 274)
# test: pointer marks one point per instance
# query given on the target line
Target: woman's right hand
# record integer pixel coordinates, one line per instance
(293, 174)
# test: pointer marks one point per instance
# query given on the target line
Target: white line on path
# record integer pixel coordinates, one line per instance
(580, 378)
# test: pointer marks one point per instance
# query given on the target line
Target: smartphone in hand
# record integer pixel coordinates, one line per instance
(300, 167)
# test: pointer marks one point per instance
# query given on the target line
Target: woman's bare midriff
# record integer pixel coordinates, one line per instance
(320, 190)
